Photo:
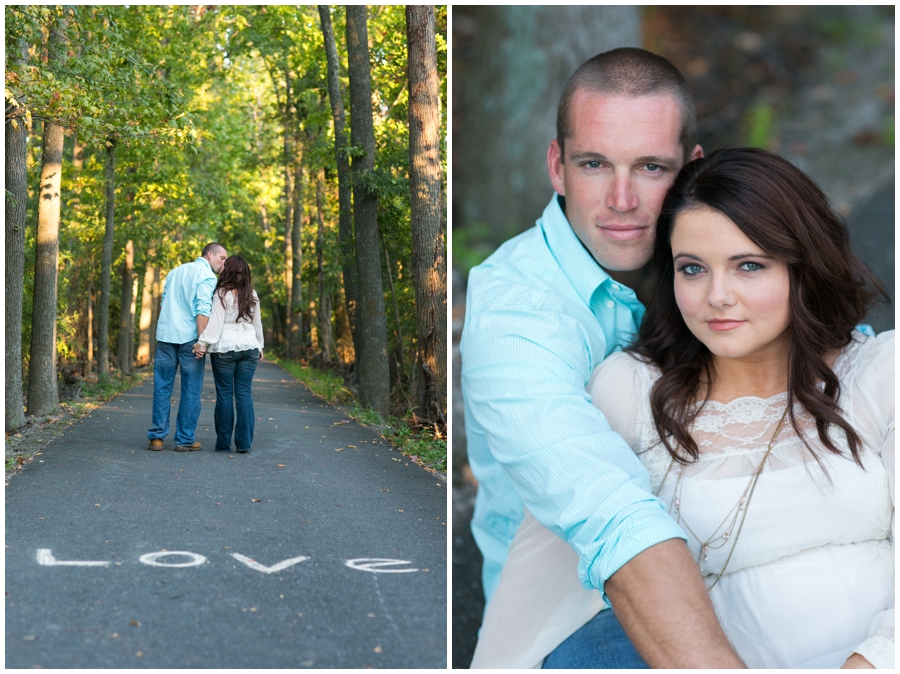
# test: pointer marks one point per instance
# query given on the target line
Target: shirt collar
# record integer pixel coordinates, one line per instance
(577, 263)
(204, 261)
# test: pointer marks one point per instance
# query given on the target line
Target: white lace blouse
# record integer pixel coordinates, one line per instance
(225, 332)
(811, 577)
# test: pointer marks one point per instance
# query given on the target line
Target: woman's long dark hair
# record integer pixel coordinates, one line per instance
(235, 276)
(783, 212)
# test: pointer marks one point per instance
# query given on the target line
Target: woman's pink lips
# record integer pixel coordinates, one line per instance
(722, 325)
(623, 232)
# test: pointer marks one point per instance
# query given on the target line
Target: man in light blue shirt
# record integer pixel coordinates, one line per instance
(545, 309)
(184, 313)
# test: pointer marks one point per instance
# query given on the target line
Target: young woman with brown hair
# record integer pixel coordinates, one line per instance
(234, 338)
(765, 420)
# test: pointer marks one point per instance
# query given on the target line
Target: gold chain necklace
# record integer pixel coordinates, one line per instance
(737, 512)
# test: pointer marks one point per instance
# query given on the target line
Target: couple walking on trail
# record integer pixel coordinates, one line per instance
(200, 314)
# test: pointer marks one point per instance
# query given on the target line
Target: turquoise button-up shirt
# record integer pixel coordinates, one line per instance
(187, 293)
(540, 315)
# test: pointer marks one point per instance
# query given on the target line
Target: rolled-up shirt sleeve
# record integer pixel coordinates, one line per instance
(524, 376)
(202, 304)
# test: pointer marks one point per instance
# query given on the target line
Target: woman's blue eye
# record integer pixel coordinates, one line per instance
(691, 269)
(751, 266)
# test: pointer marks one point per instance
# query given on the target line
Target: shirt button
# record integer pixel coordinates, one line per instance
(615, 287)
(610, 304)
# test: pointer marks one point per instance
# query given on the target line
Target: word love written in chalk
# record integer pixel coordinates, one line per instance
(371, 564)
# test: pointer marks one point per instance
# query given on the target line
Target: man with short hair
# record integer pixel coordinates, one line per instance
(541, 313)
(183, 315)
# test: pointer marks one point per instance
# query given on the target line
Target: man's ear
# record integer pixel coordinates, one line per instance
(697, 153)
(556, 168)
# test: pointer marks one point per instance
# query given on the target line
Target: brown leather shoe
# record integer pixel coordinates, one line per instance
(155, 445)
(189, 448)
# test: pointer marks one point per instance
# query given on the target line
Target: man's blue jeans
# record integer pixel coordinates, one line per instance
(233, 374)
(168, 358)
(600, 644)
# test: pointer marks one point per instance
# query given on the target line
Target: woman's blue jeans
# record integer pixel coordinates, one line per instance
(600, 644)
(233, 374)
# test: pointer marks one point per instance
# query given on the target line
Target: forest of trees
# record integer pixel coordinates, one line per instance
(309, 140)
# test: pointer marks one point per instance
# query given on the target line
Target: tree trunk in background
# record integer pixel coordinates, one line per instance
(290, 179)
(372, 350)
(345, 209)
(17, 195)
(154, 316)
(295, 300)
(143, 351)
(425, 174)
(397, 365)
(517, 60)
(323, 311)
(78, 155)
(106, 267)
(130, 354)
(43, 392)
(125, 322)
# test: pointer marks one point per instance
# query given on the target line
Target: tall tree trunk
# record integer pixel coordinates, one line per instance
(125, 322)
(398, 331)
(89, 366)
(78, 155)
(295, 338)
(323, 311)
(143, 352)
(43, 392)
(130, 354)
(16, 196)
(270, 278)
(289, 180)
(345, 208)
(429, 256)
(372, 352)
(106, 266)
(154, 316)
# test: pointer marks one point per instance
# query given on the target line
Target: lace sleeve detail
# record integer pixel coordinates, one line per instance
(618, 389)
(870, 388)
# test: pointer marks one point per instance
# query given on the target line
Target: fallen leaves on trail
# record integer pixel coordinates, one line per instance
(96, 505)
(351, 446)
(377, 649)
(393, 459)
(134, 623)
(281, 465)
(339, 449)
(256, 500)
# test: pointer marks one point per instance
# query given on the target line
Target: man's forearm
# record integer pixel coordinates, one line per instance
(201, 324)
(664, 607)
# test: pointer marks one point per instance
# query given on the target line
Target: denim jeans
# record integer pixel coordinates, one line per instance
(168, 358)
(233, 374)
(600, 644)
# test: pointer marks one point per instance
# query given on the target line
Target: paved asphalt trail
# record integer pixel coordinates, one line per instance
(97, 494)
